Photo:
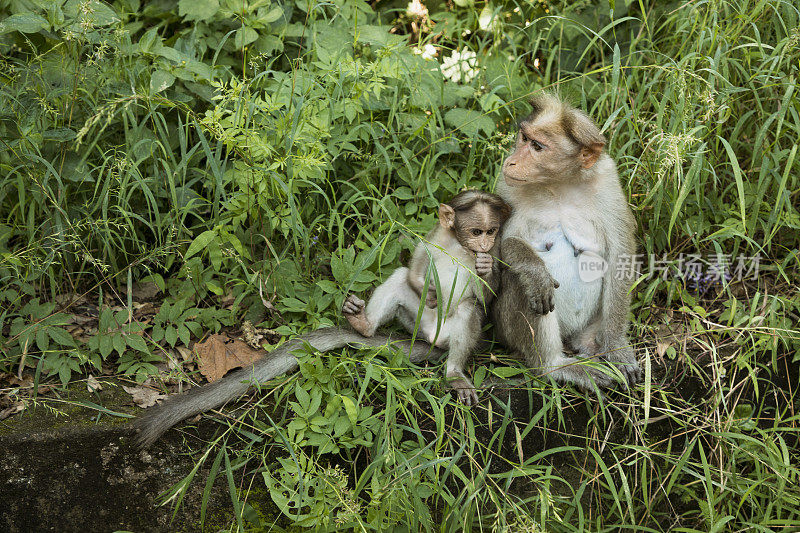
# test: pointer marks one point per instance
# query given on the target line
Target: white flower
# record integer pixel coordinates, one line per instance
(460, 66)
(416, 10)
(427, 52)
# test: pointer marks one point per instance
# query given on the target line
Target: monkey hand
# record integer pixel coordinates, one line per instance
(463, 388)
(430, 297)
(483, 264)
(539, 288)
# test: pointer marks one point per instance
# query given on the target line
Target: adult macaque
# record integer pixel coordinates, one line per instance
(458, 249)
(569, 228)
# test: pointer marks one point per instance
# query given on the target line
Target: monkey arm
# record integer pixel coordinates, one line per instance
(487, 284)
(531, 273)
(417, 270)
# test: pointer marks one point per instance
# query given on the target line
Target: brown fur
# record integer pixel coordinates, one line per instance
(566, 196)
(458, 249)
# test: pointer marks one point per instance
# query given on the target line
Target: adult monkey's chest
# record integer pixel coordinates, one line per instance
(570, 244)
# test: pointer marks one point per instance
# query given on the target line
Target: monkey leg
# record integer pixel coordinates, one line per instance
(615, 350)
(548, 351)
(464, 333)
(389, 300)
(620, 355)
(538, 338)
(585, 342)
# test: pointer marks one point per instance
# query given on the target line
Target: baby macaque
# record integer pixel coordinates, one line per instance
(458, 250)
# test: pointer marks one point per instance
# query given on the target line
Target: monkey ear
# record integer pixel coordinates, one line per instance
(590, 154)
(505, 212)
(583, 132)
(447, 216)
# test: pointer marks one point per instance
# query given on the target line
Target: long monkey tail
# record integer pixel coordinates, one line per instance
(159, 419)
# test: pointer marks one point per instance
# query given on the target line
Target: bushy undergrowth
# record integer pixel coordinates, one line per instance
(241, 152)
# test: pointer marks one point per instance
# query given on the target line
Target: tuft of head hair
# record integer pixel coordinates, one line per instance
(466, 200)
(577, 125)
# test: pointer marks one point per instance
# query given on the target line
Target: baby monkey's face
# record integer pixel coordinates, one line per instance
(477, 228)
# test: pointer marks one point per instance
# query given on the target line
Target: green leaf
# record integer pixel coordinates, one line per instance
(23, 23)
(351, 409)
(331, 43)
(469, 121)
(61, 336)
(119, 344)
(169, 53)
(42, 340)
(506, 371)
(271, 16)
(98, 13)
(328, 286)
(171, 335)
(59, 134)
(198, 9)
(64, 373)
(244, 36)
(200, 242)
(137, 342)
(737, 175)
(106, 345)
(160, 80)
(184, 335)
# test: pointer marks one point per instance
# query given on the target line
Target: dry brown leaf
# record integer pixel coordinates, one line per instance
(144, 396)
(14, 409)
(145, 291)
(92, 384)
(141, 310)
(674, 333)
(186, 353)
(218, 354)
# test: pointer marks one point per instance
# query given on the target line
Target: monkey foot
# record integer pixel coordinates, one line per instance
(353, 311)
(464, 389)
(631, 371)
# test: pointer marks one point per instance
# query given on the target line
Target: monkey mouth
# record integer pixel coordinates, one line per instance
(516, 181)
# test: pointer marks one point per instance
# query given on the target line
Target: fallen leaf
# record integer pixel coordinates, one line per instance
(25, 382)
(141, 310)
(219, 353)
(92, 384)
(186, 353)
(673, 333)
(14, 409)
(145, 291)
(80, 320)
(70, 298)
(144, 396)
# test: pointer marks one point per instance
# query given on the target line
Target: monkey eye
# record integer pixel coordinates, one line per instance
(491, 231)
(524, 137)
(476, 232)
(537, 145)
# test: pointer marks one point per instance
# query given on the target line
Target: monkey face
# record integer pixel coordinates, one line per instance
(540, 154)
(477, 228)
(474, 218)
(554, 143)
(478, 239)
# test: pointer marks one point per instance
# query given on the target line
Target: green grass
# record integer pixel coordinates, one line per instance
(162, 142)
